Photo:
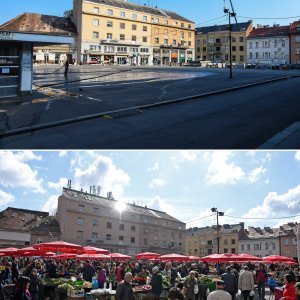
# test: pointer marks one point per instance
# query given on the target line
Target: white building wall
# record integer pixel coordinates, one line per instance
(260, 247)
(268, 50)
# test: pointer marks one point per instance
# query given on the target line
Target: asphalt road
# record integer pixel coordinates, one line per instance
(240, 119)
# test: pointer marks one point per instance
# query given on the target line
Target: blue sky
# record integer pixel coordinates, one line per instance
(185, 184)
(199, 11)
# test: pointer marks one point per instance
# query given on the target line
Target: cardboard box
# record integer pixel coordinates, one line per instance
(76, 293)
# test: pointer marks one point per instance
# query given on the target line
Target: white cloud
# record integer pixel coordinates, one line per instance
(297, 155)
(62, 182)
(6, 198)
(221, 171)
(255, 174)
(62, 153)
(275, 205)
(186, 156)
(157, 182)
(101, 171)
(15, 172)
(51, 204)
(153, 168)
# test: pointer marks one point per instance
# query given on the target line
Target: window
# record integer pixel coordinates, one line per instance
(233, 39)
(108, 49)
(133, 27)
(79, 234)
(132, 228)
(134, 16)
(95, 35)
(256, 55)
(80, 221)
(232, 250)
(225, 250)
(96, 10)
(204, 49)
(233, 242)
(145, 28)
(110, 12)
(109, 225)
(234, 48)
(242, 58)
(145, 19)
(156, 40)
(209, 243)
(233, 57)
(109, 24)
(109, 36)
(286, 242)
(94, 235)
(225, 242)
(121, 226)
(174, 43)
(182, 34)
(242, 247)
(189, 34)
(95, 222)
(132, 240)
(241, 39)
(133, 38)
(108, 237)
(273, 246)
(96, 210)
(133, 217)
(189, 26)
(81, 207)
(182, 25)
(166, 42)
(121, 238)
(122, 14)
(122, 25)
(156, 20)
(248, 247)
(144, 50)
(267, 246)
(297, 39)
(144, 39)
(189, 43)
(122, 49)
(96, 22)
(241, 48)
(122, 37)
(145, 242)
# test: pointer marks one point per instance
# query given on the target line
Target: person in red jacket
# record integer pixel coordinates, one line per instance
(289, 288)
(261, 279)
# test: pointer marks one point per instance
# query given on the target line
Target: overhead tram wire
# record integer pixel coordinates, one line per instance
(200, 219)
(269, 18)
(256, 218)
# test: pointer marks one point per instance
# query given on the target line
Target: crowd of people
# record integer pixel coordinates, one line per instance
(232, 281)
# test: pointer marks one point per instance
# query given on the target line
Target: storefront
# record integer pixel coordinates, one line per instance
(16, 48)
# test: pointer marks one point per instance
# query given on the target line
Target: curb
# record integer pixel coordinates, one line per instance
(27, 129)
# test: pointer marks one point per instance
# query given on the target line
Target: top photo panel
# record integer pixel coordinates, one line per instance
(118, 74)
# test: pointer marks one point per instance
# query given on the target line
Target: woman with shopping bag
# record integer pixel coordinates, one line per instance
(190, 286)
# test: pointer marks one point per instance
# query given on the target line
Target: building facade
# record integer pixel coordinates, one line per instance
(295, 43)
(89, 219)
(269, 46)
(212, 43)
(56, 54)
(260, 241)
(22, 227)
(288, 240)
(119, 32)
(204, 241)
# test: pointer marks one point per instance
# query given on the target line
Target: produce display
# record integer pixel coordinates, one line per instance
(166, 282)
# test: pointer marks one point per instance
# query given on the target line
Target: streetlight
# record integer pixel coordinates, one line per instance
(219, 213)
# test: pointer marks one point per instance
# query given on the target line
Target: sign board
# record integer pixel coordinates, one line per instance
(5, 71)
(4, 35)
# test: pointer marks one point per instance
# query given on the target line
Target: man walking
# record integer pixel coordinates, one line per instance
(220, 293)
(246, 282)
(231, 282)
(124, 290)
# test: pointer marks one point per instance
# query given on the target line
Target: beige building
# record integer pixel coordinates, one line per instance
(288, 240)
(204, 241)
(56, 54)
(22, 227)
(119, 32)
(212, 43)
(89, 219)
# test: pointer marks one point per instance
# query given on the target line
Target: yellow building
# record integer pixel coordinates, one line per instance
(204, 241)
(119, 32)
(212, 43)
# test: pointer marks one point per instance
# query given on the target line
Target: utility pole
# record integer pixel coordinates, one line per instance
(219, 213)
(230, 14)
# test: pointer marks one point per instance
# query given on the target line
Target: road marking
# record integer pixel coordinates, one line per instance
(164, 88)
(280, 137)
(90, 98)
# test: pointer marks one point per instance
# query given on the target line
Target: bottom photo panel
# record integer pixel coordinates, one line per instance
(123, 225)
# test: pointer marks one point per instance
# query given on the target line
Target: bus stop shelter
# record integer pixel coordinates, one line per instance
(17, 39)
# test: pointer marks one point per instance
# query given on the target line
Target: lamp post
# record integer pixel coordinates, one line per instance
(219, 213)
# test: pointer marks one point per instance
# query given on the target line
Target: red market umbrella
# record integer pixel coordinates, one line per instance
(173, 257)
(29, 251)
(48, 254)
(58, 246)
(211, 258)
(147, 255)
(194, 258)
(119, 256)
(9, 251)
(276, 258)
(243, 257)
(93, 250)
(97, 256)
(64, 256)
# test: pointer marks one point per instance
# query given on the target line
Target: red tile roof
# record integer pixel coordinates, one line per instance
(41, 24)
(295, 28)
(269, 32)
